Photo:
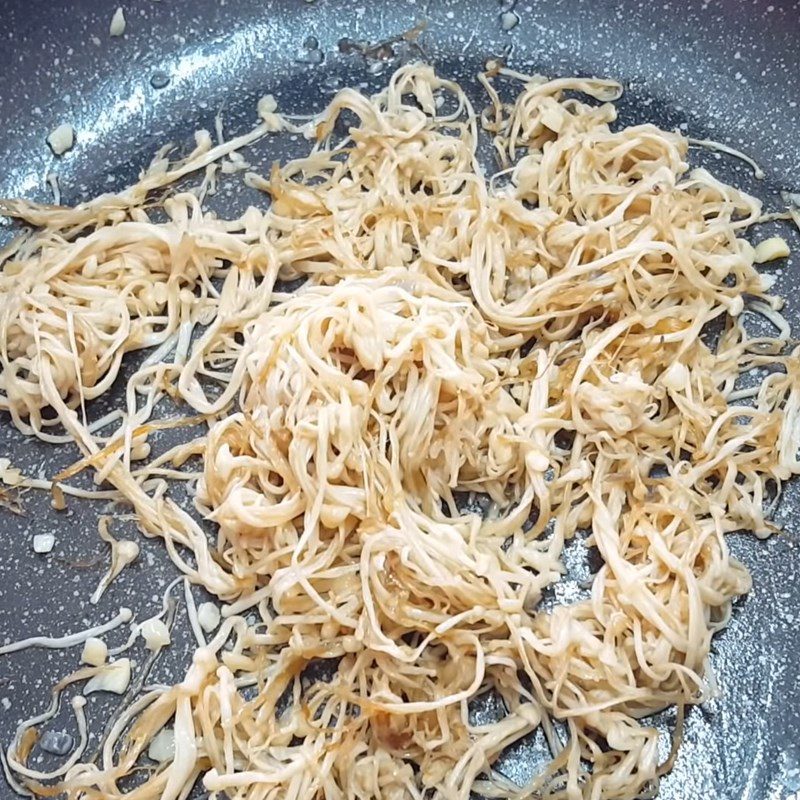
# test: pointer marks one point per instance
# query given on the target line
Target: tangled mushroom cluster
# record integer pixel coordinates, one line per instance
(535, 341)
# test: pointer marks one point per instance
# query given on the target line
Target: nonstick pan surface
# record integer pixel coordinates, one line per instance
(727, 70)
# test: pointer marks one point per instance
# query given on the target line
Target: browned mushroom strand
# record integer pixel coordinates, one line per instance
(533, 338)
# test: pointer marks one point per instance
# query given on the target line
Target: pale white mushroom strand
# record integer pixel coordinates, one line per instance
(531, 340)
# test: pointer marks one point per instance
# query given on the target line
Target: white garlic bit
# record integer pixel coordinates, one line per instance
(162, 747)
(61, 138)
(117, 27)
(43, 542)
(155, 634)
(114, 677)
(95, 652)
(770, 249)
(208, 616)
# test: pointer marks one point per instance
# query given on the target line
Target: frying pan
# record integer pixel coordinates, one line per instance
(727, 70)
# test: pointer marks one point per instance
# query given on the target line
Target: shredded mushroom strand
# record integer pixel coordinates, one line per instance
(537, 340)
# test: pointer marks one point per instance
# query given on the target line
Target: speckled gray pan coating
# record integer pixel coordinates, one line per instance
(727, 70)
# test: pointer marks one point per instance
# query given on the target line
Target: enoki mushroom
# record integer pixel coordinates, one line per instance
(562, 343)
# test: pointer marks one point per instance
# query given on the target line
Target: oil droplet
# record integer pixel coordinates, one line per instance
(159, 79)
(58, 743)
(310, 57)
(331, 83)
